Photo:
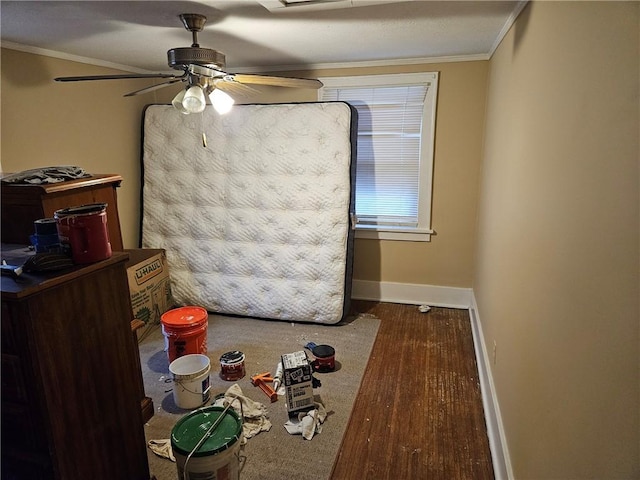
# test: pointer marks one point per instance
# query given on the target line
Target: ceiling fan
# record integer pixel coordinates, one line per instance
(203, 71)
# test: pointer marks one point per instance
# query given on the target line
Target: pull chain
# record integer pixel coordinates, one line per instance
(204, 135)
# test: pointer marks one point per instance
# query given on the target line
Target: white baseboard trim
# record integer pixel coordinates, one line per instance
(413, 294)
(502, 467)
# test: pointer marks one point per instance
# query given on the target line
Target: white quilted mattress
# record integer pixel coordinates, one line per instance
(257, 222)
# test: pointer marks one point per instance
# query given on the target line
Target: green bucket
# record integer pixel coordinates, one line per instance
(219, 456)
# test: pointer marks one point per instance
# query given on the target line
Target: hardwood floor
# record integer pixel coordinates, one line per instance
(418, 414)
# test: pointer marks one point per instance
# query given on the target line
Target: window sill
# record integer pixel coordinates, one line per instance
(406, 235)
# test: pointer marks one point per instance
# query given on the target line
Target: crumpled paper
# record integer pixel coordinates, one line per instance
(308, 423)
(254, 414)
(162, 448)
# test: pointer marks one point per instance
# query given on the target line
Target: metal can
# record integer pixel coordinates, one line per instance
(232, 366)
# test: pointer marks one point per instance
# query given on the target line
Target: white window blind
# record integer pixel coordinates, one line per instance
(395, 147)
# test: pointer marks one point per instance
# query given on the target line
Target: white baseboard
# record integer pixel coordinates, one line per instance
(413, 294)
(495, 428)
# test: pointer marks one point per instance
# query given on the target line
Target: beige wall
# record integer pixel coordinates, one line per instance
(91, 125)
(557, 281)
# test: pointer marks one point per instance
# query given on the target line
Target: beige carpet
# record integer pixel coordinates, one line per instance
(274, 454)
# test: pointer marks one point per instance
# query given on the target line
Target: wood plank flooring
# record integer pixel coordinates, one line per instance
(418, 414)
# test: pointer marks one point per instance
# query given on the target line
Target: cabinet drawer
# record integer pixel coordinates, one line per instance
(17, 466)
(22, 429)
(8, 339)
(14, 388)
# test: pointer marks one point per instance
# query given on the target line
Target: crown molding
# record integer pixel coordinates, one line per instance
(266, 68)
(73, 58)
(365, 63)
(507, 26)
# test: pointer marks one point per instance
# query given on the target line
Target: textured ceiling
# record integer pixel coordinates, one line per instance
(261, 34)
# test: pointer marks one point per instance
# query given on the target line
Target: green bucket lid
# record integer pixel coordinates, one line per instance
(190, 429)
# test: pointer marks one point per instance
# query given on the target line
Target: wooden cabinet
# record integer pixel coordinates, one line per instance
(70, 376)
(22, 204)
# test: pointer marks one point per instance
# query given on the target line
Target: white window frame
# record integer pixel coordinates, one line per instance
(423, 231)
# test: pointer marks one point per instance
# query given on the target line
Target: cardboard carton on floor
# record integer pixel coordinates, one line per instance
(149, 285)
(297, 381)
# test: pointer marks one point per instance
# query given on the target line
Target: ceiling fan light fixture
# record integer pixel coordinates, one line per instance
(177, 102)
(221, 101)
(194, 101)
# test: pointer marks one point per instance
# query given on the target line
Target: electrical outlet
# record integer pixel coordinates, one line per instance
(495, 347)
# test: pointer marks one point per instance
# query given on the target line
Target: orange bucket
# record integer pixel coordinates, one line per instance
(185, 331)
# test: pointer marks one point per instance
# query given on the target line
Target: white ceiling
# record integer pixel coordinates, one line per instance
(259, 34)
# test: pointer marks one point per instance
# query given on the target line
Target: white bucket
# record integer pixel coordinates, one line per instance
(191, 387)
(218, 458)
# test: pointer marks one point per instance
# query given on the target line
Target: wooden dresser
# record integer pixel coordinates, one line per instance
(70, 376)
(22, 204)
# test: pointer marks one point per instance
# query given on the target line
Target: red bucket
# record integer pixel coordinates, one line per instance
(185, 331)
(84, 230)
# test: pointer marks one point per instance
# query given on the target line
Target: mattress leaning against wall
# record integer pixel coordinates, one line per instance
(257, 222)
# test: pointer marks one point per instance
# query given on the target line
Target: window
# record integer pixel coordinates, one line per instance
(396, 124)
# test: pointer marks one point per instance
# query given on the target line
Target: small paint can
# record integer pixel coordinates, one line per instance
(325, 358)
(232, 366)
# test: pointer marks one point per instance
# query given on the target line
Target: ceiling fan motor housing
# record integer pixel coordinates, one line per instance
(179, 58)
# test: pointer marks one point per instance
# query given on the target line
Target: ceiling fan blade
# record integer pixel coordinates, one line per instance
(117, 77)
(276, 81)
(235, 88)
(154, 87)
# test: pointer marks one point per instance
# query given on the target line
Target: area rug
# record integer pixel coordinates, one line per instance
(274, 454)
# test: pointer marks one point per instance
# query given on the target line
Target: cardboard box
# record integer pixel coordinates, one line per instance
(297, 381)
(149, 285)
